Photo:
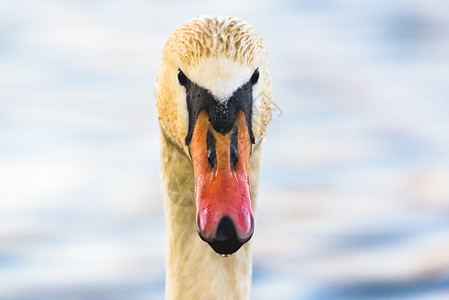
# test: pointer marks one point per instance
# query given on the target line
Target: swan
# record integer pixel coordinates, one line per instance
(213, 94)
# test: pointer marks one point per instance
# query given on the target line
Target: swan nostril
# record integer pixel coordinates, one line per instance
(211, 151)
(234, 148)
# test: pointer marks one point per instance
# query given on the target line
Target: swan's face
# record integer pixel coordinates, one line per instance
(213, 95)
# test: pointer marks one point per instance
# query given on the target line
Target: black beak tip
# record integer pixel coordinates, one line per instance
(225, 241)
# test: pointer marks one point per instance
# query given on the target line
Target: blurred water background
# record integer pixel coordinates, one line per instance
(354, 191)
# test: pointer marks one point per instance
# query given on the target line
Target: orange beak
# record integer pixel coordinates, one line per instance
(222, 190)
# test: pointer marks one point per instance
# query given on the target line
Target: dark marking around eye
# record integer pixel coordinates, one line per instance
(222, 114)
(255, 77)
(182, 78)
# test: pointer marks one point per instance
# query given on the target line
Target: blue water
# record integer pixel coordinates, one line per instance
(354, 190)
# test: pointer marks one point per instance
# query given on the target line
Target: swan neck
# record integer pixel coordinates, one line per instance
(193, 269)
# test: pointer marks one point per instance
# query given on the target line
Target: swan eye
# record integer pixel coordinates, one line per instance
(182, 78)
(255, 77)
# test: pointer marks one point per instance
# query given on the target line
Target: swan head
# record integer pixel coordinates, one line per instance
(213, 94)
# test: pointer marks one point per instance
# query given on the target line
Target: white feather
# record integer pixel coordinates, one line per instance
(221, 76)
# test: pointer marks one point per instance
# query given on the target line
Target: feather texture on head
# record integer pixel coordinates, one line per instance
(219, 54)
